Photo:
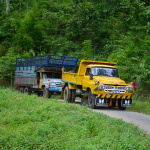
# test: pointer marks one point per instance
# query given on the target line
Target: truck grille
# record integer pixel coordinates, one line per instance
(58, 84)
(114, 89)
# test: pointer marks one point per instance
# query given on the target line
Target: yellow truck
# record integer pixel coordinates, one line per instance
(98, 84)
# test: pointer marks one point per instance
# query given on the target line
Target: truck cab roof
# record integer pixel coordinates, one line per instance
(85, 63)
(102, 66)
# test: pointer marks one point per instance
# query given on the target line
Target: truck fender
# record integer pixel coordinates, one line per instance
(72, 86)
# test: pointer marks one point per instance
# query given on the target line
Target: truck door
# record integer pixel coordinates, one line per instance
(86, 79)
(41, 79)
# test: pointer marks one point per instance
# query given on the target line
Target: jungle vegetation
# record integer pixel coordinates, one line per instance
(104, 30)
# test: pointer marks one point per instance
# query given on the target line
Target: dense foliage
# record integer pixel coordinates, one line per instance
(110, 30)
(37, 123)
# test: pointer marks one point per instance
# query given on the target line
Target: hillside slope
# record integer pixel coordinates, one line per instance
(30, 122)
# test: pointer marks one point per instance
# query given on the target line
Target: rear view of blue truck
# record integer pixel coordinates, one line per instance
(42, 74)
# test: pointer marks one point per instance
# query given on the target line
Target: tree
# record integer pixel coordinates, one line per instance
(7, 5)
(87, 50)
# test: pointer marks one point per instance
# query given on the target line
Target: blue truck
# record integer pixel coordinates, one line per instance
(42, 74)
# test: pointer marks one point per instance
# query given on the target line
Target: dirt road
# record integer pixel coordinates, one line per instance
(138, 119)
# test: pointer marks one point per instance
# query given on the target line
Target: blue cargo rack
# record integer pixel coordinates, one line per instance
(26, 68)
(50, 60)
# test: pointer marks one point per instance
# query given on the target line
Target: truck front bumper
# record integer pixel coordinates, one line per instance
(122, 99)
(57, 89)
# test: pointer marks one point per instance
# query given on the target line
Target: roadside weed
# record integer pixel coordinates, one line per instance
(31, 122)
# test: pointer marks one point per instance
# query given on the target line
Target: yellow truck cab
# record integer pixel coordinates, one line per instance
(98, 84)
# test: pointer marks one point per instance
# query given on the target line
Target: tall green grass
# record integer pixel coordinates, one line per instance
(140, 106)
(31, 122)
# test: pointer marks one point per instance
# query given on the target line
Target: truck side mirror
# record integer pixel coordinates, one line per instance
(91, 76)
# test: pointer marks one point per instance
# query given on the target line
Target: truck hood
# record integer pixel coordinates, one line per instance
(55, 80)
(51, 80)
(110, 80)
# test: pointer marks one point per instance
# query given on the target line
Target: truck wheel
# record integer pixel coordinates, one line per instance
(122, 108)
(27, 90)
(62, 93)
(73, 96)
(91, 100)
(84, 98)
(21, 90)
(45, 92)
(67, 94)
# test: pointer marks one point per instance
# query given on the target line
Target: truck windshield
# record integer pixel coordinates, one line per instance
(52, 75)
(111, 72)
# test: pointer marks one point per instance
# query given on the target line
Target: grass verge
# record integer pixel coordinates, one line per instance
(31, 122)
(140, 106)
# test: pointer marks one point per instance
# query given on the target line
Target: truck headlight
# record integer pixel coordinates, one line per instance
(52, 84)
(129, 88)
(102, 87)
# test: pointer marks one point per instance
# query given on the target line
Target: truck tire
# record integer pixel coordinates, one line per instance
(73, 96)
(91, 100)
(62, 93)
(84, 98)
(67, 94)
(45, 92)
(28, 90)
(21, 90)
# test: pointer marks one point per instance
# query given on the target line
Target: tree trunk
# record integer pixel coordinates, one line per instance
(7, 5)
